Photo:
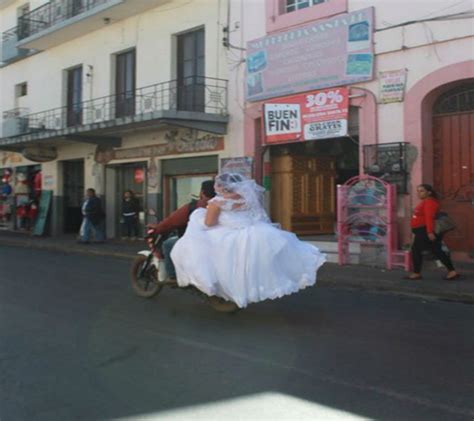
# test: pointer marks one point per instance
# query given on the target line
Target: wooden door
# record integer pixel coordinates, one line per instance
(303, 194)
(453, 136)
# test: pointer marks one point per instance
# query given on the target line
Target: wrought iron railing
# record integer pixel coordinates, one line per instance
(52, 13)
(194, 94)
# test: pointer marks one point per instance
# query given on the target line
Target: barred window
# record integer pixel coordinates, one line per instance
(292, 5)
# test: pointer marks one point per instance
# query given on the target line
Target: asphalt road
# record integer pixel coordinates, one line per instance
(75, 343)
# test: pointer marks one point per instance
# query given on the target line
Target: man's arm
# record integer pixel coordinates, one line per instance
(178, 219)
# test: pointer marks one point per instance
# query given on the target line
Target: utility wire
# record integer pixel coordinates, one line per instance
(454, 16)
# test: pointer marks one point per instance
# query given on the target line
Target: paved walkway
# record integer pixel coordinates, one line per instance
(330, 275)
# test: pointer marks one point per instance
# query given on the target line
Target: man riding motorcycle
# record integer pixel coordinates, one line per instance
(178, 222)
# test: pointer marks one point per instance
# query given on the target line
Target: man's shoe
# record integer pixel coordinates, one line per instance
(171, 281)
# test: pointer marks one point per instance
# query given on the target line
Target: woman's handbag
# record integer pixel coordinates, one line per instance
(443, 223)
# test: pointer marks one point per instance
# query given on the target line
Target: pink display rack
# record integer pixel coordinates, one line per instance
(366, 214)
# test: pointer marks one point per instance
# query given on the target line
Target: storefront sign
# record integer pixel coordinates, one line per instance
(333, 52)
(311, 116)
(241, 165)
(38, 153)
(178, 143)
(392, 86)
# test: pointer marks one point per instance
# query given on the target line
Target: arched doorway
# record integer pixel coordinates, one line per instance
(453, 162)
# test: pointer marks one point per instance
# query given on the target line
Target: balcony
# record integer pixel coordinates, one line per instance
(197, 102)
(15, 122)
(9, 50)
(59, 21)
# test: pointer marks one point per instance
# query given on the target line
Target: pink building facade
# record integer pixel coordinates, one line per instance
(427, 115)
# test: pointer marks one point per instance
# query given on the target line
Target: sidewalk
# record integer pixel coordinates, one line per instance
(330, 275)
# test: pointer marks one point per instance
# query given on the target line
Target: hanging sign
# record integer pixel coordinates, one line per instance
(314, 115)
(392, 85)
(38, 153)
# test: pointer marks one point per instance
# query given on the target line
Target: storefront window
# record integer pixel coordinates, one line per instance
(21, 190)
(183, 189)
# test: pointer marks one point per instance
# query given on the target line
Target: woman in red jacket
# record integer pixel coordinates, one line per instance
(422, 225)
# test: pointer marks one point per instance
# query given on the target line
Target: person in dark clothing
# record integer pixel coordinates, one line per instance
(93, 218)
(424, 237)
(130, 210)
(178, 222)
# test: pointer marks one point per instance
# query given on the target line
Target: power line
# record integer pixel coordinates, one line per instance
(454, 16)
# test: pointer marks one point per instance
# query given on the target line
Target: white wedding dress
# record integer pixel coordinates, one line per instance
(243, 259)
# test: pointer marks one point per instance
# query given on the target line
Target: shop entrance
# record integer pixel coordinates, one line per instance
(304, 180)
(453, 150)
(131, 177)
(73, 188)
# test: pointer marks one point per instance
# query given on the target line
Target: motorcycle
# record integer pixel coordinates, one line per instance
(148, 275)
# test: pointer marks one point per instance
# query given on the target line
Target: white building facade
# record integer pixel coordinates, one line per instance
(115, 95)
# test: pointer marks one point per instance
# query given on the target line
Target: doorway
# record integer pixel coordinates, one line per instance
(125, 81)
(74, 97)
(73, 188)
(304, 179)
(130, 177)
(453, 155)
(191, 71)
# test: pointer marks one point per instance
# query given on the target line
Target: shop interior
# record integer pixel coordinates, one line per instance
(20, 191)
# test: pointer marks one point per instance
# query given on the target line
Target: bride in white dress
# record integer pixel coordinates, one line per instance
(232, 250)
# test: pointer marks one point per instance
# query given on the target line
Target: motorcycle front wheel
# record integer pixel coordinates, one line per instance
(144, 282)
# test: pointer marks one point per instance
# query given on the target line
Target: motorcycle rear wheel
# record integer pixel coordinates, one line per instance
(221, 305)
(146, 285)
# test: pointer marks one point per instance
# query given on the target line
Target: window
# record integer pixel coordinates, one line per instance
(125, 81)
(191, 71)
(21, 89)
(292, 5)
(74, 96)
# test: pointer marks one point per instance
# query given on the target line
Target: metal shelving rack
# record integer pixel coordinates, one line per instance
(366, 214)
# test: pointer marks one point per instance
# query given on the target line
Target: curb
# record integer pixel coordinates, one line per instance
(380, 287)
(396, 289)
